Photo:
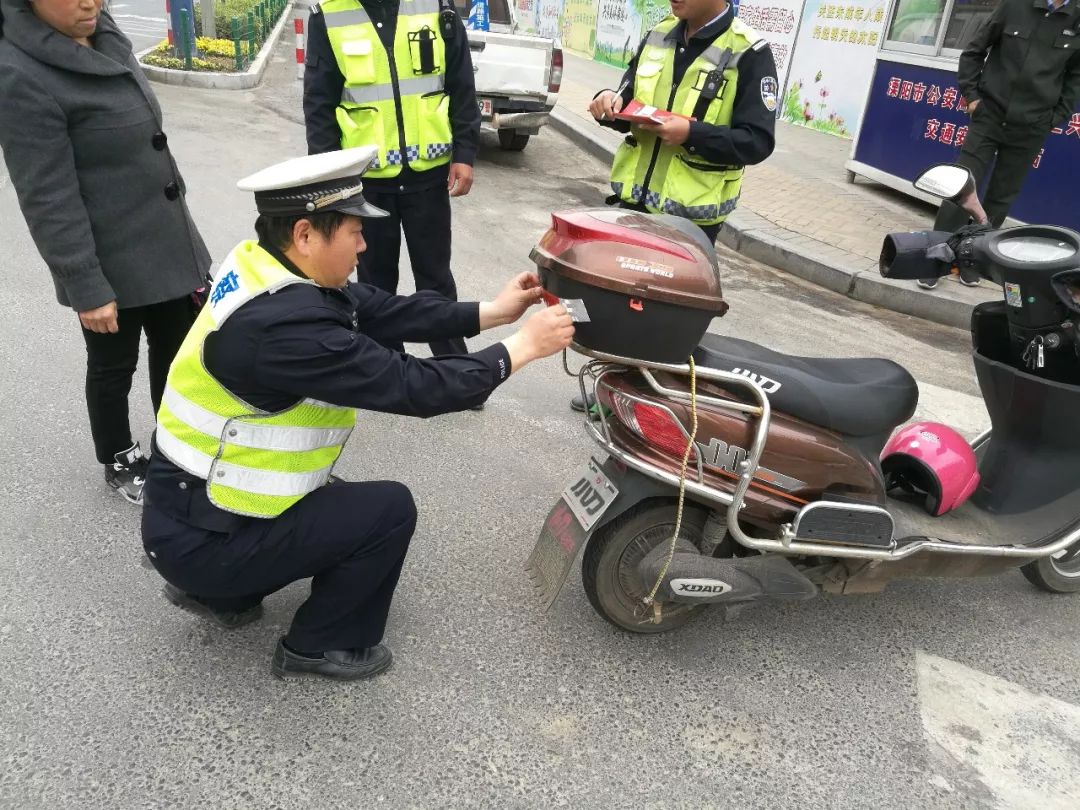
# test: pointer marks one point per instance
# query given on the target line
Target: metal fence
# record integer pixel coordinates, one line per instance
(239, 44)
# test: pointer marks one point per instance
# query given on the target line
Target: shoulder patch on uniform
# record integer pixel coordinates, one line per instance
(769, 90)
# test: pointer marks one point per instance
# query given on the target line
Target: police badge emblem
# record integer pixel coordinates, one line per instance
(769, 89)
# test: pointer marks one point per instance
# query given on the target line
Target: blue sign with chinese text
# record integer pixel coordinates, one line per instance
(478, 17)
(913, 120)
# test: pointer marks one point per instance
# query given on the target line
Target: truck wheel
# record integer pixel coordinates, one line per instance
(609, 565)
(1059, 574)
(512, 140)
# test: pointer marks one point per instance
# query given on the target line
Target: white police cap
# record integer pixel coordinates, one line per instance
(314, 184)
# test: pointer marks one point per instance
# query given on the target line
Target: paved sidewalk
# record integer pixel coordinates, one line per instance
(798, 211)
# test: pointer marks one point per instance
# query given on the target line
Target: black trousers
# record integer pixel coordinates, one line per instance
(111, 359)
(424, 216)
(1015, 149)
(350, 538)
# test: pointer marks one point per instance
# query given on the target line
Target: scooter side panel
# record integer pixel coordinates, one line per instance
(800, 461)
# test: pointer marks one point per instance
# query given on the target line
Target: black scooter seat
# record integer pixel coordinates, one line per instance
(856, 397)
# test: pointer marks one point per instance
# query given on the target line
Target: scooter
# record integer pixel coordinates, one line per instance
(748, 475)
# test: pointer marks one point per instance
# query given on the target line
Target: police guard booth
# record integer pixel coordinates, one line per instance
(912, 117)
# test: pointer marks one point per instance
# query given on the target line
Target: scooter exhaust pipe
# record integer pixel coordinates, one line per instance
(696, 579)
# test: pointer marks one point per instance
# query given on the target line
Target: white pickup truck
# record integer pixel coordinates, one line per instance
(517, 75)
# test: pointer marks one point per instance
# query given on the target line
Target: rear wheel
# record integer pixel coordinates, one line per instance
(1057, 574)
(609, 568)
(512, 140)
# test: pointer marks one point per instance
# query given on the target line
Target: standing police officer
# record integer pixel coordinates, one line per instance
(702, 62)
(1020, 75)
(397, 74)
(705, 63)
(261, 399)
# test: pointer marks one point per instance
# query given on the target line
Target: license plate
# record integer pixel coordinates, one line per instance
(590, 496)
(485, 106)
(582, 504)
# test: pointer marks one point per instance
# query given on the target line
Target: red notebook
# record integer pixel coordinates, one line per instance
(637, 113)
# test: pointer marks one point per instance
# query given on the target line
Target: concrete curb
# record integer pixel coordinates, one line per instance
(809, 259)
(222, 81)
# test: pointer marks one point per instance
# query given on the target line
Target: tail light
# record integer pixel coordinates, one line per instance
(555, 82)
(656, 425)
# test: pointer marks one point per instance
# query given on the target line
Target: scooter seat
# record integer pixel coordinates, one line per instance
(856, 397)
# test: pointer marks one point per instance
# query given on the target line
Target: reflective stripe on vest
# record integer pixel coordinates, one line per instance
(386, 93)
(254, 462)
(680, 183)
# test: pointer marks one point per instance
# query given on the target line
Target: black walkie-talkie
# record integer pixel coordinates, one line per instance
(447, 19)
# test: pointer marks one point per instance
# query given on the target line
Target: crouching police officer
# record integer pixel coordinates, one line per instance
(260, 401)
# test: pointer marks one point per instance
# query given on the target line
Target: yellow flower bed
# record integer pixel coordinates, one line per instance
(214, 55)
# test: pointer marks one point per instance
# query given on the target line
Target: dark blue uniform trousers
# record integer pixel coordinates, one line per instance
(350, 538)
(424, 216)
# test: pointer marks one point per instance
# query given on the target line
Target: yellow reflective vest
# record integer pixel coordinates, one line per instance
(668, 179)
(255, 463)
(390, 96)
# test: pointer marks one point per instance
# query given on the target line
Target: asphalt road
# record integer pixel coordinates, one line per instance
(932, 694)
(143, 21)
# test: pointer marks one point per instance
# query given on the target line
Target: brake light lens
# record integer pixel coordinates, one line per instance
(654, 424)
(659, 428)
(555, 81)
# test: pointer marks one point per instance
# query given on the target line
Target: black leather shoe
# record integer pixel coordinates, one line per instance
(340, 665)
(578, 404)
(230, 620)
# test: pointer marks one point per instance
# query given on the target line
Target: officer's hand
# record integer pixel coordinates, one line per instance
(673, 132)
(970, 109)
(520, 293)
(605, 105)
(460, 182)
(102, 319)
(546, 332)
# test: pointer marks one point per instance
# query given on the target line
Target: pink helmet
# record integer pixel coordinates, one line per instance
(931, 459)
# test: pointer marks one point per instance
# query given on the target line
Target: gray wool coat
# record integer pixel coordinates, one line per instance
(82, 137)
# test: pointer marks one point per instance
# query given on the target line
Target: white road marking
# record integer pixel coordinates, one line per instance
(1021, 745)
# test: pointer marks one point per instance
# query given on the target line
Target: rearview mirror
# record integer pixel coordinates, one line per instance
(947, 180)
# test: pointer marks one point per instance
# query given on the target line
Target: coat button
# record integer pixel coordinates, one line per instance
(232, 431)
(183, 485)
(159, 141)
(172, 191)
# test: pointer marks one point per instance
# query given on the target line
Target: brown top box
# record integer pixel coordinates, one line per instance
(652, 256)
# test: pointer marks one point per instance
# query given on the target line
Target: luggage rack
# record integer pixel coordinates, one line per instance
(602, 365)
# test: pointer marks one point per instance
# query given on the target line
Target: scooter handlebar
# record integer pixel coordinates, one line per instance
(903, 255)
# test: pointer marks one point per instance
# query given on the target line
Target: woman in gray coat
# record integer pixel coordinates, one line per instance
(82, 137)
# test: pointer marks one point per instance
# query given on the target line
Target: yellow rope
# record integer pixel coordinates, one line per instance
(682, 484)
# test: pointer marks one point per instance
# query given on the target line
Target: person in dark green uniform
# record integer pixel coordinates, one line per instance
(1020, 76)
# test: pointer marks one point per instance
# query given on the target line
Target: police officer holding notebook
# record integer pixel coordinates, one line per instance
(702, 63)
(262, 397)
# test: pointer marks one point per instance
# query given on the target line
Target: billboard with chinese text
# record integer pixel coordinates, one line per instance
(618, 31)
(833, 64)
(778, 22)
(579, 25)
(548, 16)
(913, 120)
(525, 15)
